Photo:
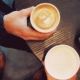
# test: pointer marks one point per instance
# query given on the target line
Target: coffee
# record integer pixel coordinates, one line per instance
(45, 17)
(62, 62)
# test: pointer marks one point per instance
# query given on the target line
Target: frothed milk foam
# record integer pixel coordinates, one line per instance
(62, 62)
(44, 17)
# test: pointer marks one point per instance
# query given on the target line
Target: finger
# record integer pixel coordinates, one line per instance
(27, 11)
(30, 38)
(37, 34)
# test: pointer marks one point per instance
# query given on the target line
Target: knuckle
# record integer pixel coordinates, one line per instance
(22, 11)
(23, 33)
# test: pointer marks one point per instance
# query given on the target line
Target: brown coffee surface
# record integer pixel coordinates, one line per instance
(45, 16)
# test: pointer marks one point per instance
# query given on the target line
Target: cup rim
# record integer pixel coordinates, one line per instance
(58, 77)
(47, 30)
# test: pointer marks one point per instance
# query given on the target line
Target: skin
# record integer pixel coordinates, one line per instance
(16, 23)
(2, 61)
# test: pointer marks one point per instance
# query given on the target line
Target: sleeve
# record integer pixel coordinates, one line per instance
(1, 19)
(2, 29)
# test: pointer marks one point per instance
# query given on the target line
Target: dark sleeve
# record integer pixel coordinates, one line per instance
(1, 19)
(2, 29)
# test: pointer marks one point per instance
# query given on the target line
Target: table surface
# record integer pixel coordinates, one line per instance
(69, 24)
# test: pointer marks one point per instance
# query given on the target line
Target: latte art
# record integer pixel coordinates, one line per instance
(45, 17)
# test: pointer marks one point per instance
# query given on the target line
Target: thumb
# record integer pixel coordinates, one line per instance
(27, 11)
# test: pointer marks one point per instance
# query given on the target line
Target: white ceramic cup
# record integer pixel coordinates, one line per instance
(62, 62)
(45, 17)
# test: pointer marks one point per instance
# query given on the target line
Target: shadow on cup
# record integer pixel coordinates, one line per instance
(47, 49)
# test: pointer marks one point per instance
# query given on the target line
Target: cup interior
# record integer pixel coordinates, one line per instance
(45, 17)
(62, 62)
